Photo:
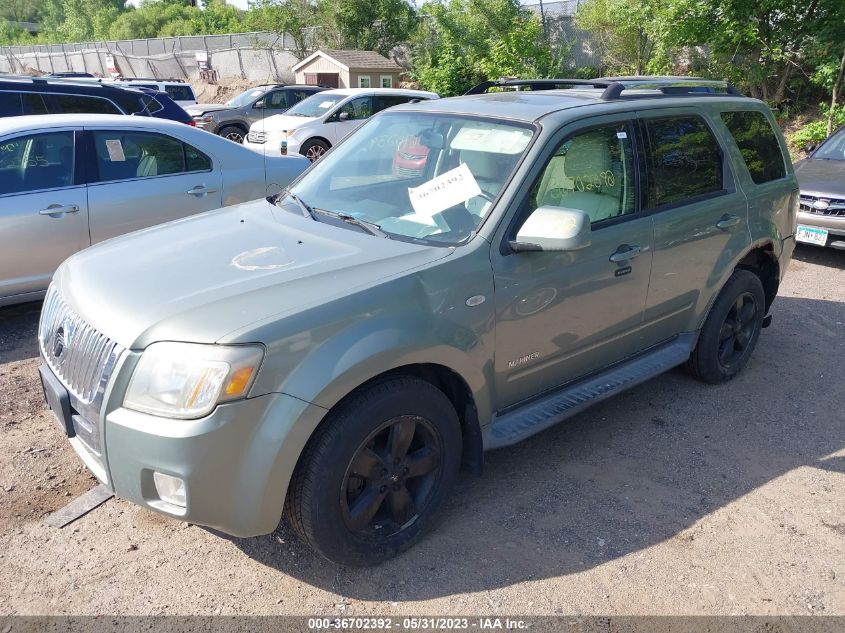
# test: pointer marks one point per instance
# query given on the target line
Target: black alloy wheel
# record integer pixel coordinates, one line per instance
(391, 478)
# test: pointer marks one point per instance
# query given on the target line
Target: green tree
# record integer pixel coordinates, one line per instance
(631, 34)
(464, 42)
(297, 18)
(365, 24)
(761, 44)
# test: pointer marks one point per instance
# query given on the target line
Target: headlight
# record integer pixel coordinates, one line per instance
(205, 118)
(288, 132)
(187, 380)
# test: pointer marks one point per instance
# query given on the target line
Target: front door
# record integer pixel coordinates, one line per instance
(145, 178)
(43, 209)
(562, 315)
(349, 117)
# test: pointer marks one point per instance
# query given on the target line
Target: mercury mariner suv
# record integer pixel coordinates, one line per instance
(338, 352)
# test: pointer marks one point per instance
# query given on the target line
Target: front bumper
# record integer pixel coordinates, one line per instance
(835, 225)
(236, 462)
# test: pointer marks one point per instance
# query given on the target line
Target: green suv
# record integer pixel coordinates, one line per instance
(338, 352)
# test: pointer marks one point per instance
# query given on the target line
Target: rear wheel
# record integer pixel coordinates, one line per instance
(731, 330)
(314, 149)
(373, 478)
(232, 133)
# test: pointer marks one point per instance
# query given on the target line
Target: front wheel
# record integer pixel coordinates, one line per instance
(731, 330)
(374, 477)
(314, 149)
(234, 134)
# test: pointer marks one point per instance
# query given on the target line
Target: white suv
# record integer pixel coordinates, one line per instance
(314, 124)
(179, 91)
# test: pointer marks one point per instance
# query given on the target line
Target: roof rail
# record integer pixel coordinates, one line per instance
(614, 87)
(171, 80)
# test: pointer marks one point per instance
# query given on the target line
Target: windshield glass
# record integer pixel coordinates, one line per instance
(245, 97)
(833, 148)
(315, 105)
(419, 176)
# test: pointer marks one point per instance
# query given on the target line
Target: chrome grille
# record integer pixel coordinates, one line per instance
(256, 137)
(80, 356)
(822, 206)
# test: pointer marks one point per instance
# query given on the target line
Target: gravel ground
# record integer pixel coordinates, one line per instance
(673, 498)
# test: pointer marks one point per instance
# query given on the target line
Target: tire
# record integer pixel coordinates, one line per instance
(726, 343)
(353, 504)
(233, 133)
(314, 149)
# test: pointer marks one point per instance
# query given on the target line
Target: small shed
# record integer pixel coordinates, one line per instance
(347, 69)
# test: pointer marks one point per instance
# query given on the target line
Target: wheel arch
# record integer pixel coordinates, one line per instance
(238, 124)
(761, 260)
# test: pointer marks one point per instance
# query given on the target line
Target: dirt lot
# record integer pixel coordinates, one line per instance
(674, 498)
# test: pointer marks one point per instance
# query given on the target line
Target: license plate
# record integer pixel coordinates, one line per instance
(58, 399)
(811, 235)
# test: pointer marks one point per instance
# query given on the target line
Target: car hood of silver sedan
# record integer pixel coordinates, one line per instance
(821, 177)
(206, 276)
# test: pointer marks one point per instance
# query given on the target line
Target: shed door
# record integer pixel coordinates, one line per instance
(328, 79)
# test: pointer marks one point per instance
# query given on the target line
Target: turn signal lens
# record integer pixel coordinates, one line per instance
(238, 382)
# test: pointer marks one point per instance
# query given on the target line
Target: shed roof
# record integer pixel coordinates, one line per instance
(352, 60)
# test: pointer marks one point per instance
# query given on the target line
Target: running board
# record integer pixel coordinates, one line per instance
(548, 410)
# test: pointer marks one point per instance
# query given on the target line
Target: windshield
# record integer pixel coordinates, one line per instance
(833, 148)
(315, 105)
(246, 97)
(415, 175)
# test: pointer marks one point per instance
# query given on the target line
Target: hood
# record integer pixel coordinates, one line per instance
(202, 108)
(821, 177)
(202, 277)
(279, 122)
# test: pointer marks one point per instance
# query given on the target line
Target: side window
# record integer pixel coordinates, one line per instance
(592, 171)
(80, 104)
(359, 108)
(35, 162)
(33, 103)
(298, 95)
(195, 160)
(276, 100)
(10, 104)
(382, 102)
(685, 160)
(123, 155)
(179, 93)
(757, 143)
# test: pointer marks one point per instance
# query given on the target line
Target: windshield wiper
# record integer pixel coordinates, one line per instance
(369, 227)
(307, 211)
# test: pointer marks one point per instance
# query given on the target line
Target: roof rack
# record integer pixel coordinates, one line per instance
(614, 87)
(171, 80)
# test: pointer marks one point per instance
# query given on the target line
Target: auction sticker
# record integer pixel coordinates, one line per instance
(115, 150)
(446, 190)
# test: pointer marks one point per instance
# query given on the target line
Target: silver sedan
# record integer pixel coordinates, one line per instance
(68, 181)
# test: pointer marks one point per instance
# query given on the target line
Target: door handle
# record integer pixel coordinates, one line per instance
(625, 252)
(57, 209)
(200, 190)
(727, 221)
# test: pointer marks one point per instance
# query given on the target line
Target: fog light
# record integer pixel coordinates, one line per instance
(170, 489)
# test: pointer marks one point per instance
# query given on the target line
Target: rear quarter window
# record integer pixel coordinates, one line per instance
(10, 104)
(685, 160)
(757, 143)
(179, 93)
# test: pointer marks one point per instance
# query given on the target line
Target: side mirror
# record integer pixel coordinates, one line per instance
(553, 229)
(810, 146)
(343, 116)
(258, 105)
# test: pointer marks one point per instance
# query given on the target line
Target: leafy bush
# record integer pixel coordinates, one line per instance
(816, 131)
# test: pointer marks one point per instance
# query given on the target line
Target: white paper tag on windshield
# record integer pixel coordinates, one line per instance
(115, 150)
(448, 189)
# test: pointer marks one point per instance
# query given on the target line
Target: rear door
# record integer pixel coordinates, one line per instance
(139, 178)
(700, 218)
(43, 208)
